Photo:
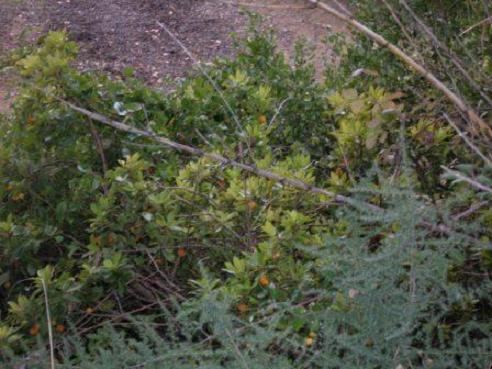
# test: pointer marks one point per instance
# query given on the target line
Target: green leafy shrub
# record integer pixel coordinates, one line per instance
(225, 268)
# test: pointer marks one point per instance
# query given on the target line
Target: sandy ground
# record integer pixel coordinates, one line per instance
(114, 34)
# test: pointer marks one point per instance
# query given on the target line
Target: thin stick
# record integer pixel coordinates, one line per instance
(489, 19)
(470, 210)
(277, 112)
(478, 124)
(296, 183)
(402, 27)
(452, 56)
(204, 72)
(466, 179)
(341, 6)
(50, 329)
(468, 142)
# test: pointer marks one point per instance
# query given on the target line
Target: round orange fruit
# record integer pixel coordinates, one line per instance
(31, 120)
(181, 252)
(252, 205)
(264, 281)
(35, 328)
(242, 308)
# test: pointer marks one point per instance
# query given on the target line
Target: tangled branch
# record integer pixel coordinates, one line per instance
(478, 124)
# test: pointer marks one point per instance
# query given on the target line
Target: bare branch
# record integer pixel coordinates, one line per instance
(472, 209)
(452, 56)
(468, 142)
(234, 116)
(477, 123)
(402, 27)
(462, 177)
(48, 323)
(296, 183)
(488, 19)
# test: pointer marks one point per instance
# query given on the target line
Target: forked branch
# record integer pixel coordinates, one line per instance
(478, 124)
(296, 183)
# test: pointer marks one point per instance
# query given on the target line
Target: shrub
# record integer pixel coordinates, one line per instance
(155, 259)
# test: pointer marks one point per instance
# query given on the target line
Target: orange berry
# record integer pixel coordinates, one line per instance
(312, 335)
(309, 341)
(110, 239)
(60, 328)
(262, 119)
(242, 308)
(252, 205)
(89, 310)
(31, 120)
(264, 281)
(34, 331)
(181, 252)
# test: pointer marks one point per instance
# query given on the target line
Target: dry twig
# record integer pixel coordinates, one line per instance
(452, 56)
(463, 178)
(468, 142)
(478, 124)
(48, 322)
(488, 19)
(296, 183)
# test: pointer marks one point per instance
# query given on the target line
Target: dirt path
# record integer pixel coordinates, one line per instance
(114, 34)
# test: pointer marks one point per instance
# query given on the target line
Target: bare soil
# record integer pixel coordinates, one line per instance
(114, 34)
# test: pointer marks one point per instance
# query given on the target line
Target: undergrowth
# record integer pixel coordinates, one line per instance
(154, 259)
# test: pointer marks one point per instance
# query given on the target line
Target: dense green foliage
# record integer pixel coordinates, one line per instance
(154, 259)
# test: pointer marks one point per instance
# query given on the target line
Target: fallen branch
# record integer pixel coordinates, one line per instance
(478, 124)
(486, 20)
(461, 177)
(296, 183)
(48, 323)
(452, 56)
(468, 142)
(472, 209)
